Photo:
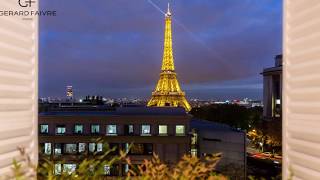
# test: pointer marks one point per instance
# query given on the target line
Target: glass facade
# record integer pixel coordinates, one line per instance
(95, 129)
(44, 128)
(163, 129)
(111, 129)
(145, 129)
(180, 130)
(78, 129)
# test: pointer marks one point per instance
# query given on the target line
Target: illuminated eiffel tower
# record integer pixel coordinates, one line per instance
(168, 91)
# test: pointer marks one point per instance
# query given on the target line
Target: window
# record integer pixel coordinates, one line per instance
(69, 168)
(70, 148)
(194, 152)
(47, 148)
(82, 147)
(163, 129)
(99, 147)
(44, 129)
(145, 130)
(141, 149)
(60, 129)
(128, 129)
(111, 129)
(180, 130)
(95, 129)
(107, 170)
(92, 147)
(57, 169)
(57, 149)
(78, 129)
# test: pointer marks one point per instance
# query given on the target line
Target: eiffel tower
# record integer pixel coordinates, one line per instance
(168, 91)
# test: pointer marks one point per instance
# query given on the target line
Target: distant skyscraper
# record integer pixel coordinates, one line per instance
(69, 92)
(168, 91)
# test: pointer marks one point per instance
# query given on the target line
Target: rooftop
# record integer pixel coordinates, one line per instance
(164, 111)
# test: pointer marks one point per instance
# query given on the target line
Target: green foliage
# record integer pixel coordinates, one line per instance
(188, 167)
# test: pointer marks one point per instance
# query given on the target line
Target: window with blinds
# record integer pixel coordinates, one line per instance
(301, 119)
(18, 85)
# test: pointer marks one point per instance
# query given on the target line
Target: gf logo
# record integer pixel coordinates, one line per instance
(25, 3)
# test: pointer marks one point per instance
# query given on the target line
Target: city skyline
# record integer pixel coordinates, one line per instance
(116, 52)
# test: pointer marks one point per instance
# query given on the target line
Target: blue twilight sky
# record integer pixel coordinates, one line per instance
(114, 47)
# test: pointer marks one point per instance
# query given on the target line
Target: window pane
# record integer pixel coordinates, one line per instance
(92, 147)
(57, 169)
(69, 168)
(180, 129)
(111, 129)
(82, 147)
(57, 149)
(145, 129)
(128, 129)
(44, 128)
(70, 148)
(95, 129)
(78, 129)
(47, 148)
(99, 147)
(60, 129)
(163, 129)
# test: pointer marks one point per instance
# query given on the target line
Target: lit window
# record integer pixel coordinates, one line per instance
(57, 149)
(70, 148)
(128, 129)
(145, 130)
(163, 129)
(95, 129)
(82, 147)
(57, 169)
(180, 130)
(107, 170)
(278, 101)
(92, 147)
(193, 152)
(60, 129)
(111, 129)
(99, 147)
(78, 129)
(47, 148)
(69, 168)
(44, 128)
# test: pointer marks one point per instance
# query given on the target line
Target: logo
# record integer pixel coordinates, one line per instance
(26, 3)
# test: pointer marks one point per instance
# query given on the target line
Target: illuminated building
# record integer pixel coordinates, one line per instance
(272, 90)
(69, 92)
(168, 91)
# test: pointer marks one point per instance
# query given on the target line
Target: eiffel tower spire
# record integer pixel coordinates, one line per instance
(168, 91)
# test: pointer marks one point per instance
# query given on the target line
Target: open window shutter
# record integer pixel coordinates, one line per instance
(18, 85)
(301, 118)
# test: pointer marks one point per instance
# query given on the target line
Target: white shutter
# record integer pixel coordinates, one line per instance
(301, 118)
(18, 85)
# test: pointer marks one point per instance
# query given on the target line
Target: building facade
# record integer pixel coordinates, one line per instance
(65, 136)
(272, 90)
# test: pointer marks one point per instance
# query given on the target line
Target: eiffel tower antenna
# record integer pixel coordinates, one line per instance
(168, 91)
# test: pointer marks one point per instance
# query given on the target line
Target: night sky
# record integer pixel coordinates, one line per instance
(114, 47)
